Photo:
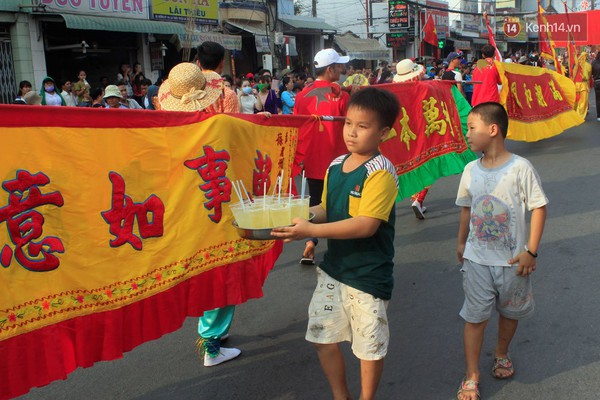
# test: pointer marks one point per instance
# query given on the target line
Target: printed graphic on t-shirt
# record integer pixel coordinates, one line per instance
(491, 219)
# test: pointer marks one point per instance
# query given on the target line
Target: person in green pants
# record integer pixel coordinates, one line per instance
(213, 328)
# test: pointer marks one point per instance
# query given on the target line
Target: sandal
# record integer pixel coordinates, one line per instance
(307, 261)
(468, 386)
(503, 363)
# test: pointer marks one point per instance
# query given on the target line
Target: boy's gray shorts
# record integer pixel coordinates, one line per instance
(484, 286)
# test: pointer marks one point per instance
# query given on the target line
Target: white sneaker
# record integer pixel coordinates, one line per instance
(225, 354)
(598, 119)
(418, 209)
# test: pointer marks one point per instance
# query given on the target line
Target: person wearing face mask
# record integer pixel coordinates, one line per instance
(267, 97)
(247, 98)
(50, 97)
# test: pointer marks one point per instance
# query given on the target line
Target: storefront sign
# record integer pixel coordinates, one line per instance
(503, 4)
(398, 15)
(462, 44)
(262, 43)
(470, 22)
(396, 39)
(111, 8)
(230, 42)
(202, 11)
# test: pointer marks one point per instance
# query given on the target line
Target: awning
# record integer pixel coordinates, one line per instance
(361, 49)
(230, 42)
(255, 28)
(88, 22)
(310, 23)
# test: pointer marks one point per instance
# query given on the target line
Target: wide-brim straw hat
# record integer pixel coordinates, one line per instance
(189, 89)
(408, 70)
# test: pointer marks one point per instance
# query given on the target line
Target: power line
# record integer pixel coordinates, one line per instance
(504, 13)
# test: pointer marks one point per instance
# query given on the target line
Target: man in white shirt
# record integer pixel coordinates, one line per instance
(67, 94)
(129, 103)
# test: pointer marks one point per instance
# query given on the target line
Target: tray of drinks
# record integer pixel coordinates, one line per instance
(255, 220)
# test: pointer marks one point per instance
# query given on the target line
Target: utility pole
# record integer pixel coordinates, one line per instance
(367, 12)
(314, 8)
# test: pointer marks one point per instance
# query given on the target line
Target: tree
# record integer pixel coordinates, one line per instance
(301, 7)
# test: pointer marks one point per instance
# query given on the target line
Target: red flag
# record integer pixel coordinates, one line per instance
(430, 32)
(491, 39)
(546, 43)
(570, 46)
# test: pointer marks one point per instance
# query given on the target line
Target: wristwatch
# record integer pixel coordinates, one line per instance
(531, 253)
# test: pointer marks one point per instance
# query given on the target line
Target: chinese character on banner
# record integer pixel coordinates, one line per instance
(528, 97)
(513, 90)
(212, 167)
(540, 96)
(124, 211)
(431, 114)
(25, 225)
(260, 175)
(555, 93)
(406, 134)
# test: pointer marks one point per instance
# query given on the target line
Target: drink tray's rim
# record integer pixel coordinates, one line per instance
(259, 234)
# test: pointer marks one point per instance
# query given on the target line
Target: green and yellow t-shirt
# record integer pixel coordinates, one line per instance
(370, 190)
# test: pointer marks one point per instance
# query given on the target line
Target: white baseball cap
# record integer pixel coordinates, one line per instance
(327, 57)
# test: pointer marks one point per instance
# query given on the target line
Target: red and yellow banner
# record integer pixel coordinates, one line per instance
(102, 212)
(427, 140)
(539, 102)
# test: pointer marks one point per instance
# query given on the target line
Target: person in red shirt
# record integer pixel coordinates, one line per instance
(318, 147)
(486, 72)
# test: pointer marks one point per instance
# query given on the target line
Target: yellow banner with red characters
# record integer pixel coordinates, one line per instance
(539, 102)
(100, 208)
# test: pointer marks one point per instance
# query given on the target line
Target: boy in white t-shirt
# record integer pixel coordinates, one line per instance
(495, 193)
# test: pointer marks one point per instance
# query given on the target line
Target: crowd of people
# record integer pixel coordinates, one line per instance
(256, 92)
(275, 91)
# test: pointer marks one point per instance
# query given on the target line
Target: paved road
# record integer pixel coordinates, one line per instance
(556, 353)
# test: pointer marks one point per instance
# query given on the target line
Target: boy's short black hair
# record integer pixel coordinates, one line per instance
(379, 101)
(492, 113)
(488, 50)
(210, 55)
(95, 92)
